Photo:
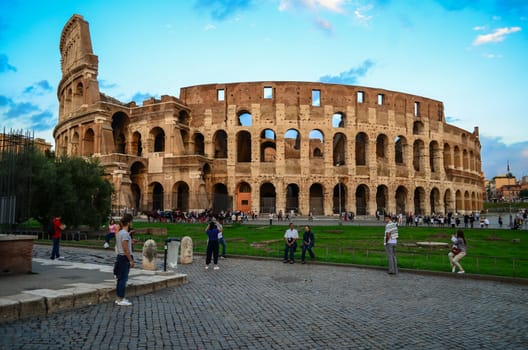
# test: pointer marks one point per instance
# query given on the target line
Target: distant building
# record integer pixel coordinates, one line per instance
(17, 141)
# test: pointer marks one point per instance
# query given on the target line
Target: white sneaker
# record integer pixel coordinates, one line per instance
(207, 267)
(216, 268)
(106, 245)
(60, 258)
(462, 271)
(123, 302)
(453, 269)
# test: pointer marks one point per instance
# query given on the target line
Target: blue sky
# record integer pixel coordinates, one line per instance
(471, 55)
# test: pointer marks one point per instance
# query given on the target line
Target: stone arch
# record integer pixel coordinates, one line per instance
(120, 122)
(339, 198)
(459, 201)
(419, 201)
(338, 120)
(183, 117)
(317, 199)
(361, 149)
(268, 198)
(457, 157)
(137, 144)
(199, 144)
(292, 198)
(221, 199)
(220, 144)
(316, 143)
(243, 197)
(243, 146)
(418, 155)
(467, 201)
(400, 150)
(447, 156)
(401, 200)
(292, 144)
(180, 196)
(362, 199)
(418, 128)
(434, 156)
(465, 159)
(382, 147)
(339, 149)
(88, 143)
(157, 135)
(245, 118)
(79, 91)
(382, 199)
(75, 143)
(434, 201)
(157, 193)
(268, 146)
(448, 202)
(474, 203)
(138, 176)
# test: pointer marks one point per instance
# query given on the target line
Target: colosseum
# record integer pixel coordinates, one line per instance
(267, 146)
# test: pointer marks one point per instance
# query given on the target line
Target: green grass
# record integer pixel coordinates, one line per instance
(490, 251)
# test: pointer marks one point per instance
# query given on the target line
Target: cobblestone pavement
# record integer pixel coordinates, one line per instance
(265, 304)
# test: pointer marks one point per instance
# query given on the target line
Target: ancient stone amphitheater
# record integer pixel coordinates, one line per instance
(267, 146)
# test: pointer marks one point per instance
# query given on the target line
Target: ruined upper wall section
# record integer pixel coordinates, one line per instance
(339, 97)
(76, 46)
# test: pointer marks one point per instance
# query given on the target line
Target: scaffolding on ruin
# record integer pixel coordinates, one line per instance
(15, 175)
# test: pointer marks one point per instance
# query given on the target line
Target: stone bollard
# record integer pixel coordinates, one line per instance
(186, 256)
(149, 255)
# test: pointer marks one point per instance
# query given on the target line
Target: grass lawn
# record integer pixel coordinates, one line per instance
(490, 251)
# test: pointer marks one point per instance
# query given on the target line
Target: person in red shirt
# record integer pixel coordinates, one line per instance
(58, 227)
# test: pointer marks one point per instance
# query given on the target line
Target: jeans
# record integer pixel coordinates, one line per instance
(55, 250)
(223, 244)
(212, 251)
(289, 250)
(121, 270)
(390, 249)
(309, 249)
(109, 236)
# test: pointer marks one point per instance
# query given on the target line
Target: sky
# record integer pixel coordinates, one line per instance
(471, 55)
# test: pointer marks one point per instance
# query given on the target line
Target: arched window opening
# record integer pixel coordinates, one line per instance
(316, 143)
(268, 147)
(88, 147)
(338, 120)
(244, 147)
(245, 119)
(292, 198)
(361, 149)
(418, 155)
(120, 123)
(137, 145)
(339, 149)
(159, 139)
(362, 199)
(267, 198)
(339, 198)
(317, 199)
(199, 144)
(292, 144)
(400, 145)
(220, 144)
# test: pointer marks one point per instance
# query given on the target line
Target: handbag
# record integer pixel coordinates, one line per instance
(455, 250)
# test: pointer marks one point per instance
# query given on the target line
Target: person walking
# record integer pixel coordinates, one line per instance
(58, 227)
(391, 239)
(290, 237)
(212, 245)
(308, 243)
(124, 260)
(112, 230)
(458, 251)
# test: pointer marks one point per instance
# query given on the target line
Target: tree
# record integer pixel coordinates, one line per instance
(73, 188)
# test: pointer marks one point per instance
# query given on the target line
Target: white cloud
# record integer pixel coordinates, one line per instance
(331, 5)
(497, 36)
(209, 27)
